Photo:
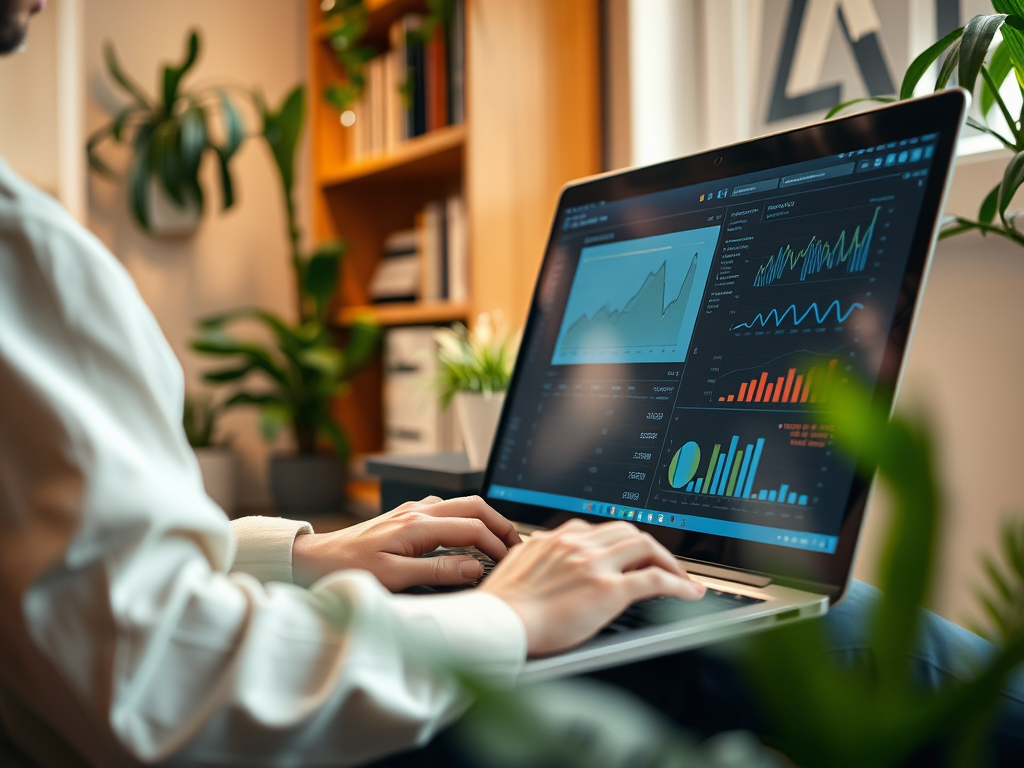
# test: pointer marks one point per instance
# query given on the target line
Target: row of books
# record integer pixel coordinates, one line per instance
(417, 86)
(429, 262)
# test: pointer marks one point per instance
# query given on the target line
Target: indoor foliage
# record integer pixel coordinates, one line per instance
(169, 136)
(305, 368)
(964, 52)
(346, 23)
(824, 715)
(479, 361)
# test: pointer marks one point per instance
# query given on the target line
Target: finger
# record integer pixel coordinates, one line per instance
(475, 507)
(606, 534)
(655, 582)
(447, 571)
(572, 525)
(434, 532)
(429, 500)
(641, 551)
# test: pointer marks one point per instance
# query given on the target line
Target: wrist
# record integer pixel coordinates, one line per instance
(304, 570)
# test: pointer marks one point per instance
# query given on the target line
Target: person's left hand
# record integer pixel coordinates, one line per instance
(390, 546)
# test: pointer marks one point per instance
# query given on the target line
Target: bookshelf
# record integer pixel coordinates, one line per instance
(532, 123)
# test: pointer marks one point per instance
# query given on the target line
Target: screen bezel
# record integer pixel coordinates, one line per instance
(940, 113)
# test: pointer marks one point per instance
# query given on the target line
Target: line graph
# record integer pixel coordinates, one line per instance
(819, 255)
(774, 316)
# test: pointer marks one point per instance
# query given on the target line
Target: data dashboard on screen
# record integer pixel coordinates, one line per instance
(686, 344)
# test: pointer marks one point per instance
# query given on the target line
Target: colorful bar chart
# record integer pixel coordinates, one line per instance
(731, 471)
(811, 386)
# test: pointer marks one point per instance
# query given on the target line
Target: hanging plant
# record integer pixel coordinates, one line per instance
(169, 137)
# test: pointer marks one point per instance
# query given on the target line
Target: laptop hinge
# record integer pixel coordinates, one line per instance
(727, 574)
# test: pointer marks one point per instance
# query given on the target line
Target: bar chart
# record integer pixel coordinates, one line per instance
(730, 471)
(811, 385)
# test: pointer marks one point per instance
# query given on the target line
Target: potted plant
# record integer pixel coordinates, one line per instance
(169, 136)
(475, 369)
(964, 52)
(216, 458)
(305, 367)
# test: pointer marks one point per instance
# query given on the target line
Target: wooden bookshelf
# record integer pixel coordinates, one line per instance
(532, 124)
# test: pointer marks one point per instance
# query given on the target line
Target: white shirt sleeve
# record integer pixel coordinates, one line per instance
(263, 546)
(128, 626)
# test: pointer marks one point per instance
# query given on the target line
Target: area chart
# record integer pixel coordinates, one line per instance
(636, 301)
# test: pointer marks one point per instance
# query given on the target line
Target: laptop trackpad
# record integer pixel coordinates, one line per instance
(666, 610)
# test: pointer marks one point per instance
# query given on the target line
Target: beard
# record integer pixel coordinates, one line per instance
(12, 32)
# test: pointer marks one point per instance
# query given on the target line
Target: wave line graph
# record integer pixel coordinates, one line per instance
(763, 319)
(819, 255)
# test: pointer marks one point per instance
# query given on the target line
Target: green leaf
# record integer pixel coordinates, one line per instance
(320, 278)
(95, 162)
(114, 67)
(1013, 177)
(363, 342)
(234, 131)
(220, 345)
(165, 159)
(326, 426)
(274, 416)
(227, 186)
(921, 64)
(949, 65)
(974, 45)
(989, 205)
(282, 130)
(846, 104)
(173, 75)
(229, 374)
(998, 69)
(1013, 38)
(138, 181)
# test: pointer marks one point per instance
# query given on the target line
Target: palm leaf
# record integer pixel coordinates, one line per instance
(114, 67)
(921, 64)
(174, 75)
(974, 45)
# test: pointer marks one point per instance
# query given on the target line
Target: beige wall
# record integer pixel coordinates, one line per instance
(28, 106)
(235, 259)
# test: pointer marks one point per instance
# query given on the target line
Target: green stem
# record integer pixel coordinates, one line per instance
(967, 224)
(985, 129)
(1002, 105)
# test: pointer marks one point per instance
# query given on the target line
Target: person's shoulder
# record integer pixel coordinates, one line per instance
(22, 203)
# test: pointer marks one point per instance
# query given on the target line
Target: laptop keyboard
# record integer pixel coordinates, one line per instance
(646, 613)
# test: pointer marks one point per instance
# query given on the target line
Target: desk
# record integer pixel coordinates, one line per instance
(410, 478)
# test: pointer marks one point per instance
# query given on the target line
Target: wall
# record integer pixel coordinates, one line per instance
(238, 258)
(28, 93)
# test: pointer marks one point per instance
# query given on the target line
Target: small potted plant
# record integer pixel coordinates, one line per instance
(475, 368)
(169, 136)
(216, 457)
(305, 367)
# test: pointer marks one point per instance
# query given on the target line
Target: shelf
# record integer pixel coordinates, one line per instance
(439, 152)
(421, 313)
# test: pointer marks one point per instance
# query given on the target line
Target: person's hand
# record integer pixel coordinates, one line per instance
(390, 546)
(567, 583)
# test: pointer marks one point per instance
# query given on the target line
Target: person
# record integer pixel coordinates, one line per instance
(139, 625)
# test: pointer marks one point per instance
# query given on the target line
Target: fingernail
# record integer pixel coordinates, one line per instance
(698, 589)
(470, 570)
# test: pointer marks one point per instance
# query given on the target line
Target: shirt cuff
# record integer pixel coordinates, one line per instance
(480, 631)
(264, 546)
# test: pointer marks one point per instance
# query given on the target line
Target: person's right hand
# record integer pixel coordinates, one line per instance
(568, 583)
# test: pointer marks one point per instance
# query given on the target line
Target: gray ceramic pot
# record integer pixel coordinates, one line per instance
(307, 485)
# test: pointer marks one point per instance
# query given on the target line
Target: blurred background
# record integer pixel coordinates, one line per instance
(520, 98)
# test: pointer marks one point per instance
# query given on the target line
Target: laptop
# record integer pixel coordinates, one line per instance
(690, 321)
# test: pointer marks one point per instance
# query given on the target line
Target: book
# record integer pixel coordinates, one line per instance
(457, 249)
(397, 276)
(413, 419)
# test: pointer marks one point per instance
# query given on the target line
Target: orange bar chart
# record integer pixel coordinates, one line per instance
(811, 386)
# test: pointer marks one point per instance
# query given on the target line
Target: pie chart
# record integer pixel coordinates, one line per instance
(684, 465)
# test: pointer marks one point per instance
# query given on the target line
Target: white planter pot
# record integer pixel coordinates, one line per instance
(166, 219)
(478, 416)
(219, 467)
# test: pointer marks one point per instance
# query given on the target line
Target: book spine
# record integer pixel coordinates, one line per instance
(457, 57)
(458, 250)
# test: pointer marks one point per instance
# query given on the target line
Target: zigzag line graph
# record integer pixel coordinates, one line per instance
(762, 319)
(818, 256)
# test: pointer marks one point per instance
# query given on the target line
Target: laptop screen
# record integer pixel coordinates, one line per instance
(685, 338)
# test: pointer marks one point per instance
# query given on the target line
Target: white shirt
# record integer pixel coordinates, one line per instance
(136, 623)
